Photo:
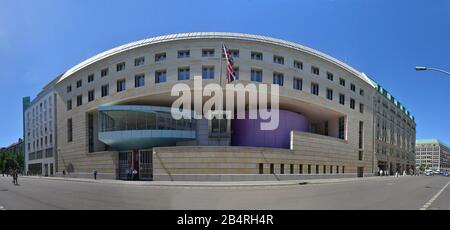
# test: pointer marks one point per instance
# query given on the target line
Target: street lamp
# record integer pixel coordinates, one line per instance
(421, 68)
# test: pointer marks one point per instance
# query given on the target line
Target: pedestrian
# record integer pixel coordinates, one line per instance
(95, 174)
(134, 173)
(381, 172)
(64, 173)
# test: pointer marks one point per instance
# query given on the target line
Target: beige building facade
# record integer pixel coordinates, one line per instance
(112, 114)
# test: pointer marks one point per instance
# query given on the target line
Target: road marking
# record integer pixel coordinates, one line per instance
(427, 205)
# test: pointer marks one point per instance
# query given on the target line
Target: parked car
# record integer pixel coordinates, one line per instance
(429, 172)
(445, 173)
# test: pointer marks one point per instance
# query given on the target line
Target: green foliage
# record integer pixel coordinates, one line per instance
(11, 161)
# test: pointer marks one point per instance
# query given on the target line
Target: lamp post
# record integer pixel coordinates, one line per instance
(421, 68)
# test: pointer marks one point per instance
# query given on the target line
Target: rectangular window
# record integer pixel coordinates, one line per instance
(160, 57)
(314, 70)
(183, 73)
(361, 92)
(278, 79)
(282, 169)
(298, 64)
(360, 155)
(330, 76)
(91, 95)
(292, 169)
(160, 76)
(352, 103)
(139, 61)
(261, 168)
(330, 94)
(352, 87)
(184, 54)
(79, 83)
(234, 53)
(315, 89)
(208, 53)
(331, 169)
(309, 169)
(342, 81)
(272, 169)
(298, 83)
(326, 128)
(90, 133)
(278, 60)
(256, 56)
(300, 169)
(343, 169)
(139, 80)
(337, 169)
(91, 78)
(256, 75)
(324, 171)
(105, 90)
(361, 107)
(79, 100)
(120, 85)
(208, 72)
(120, 66)
(69, 130)
(342, 99)
(104, 72)
(69, 105)
(69, 88)
(317, 169)
(342, 128)
(361, 134)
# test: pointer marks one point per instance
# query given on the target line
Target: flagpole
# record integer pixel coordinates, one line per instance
(221, 64)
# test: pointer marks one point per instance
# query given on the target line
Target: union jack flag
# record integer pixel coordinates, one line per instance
(231, 75)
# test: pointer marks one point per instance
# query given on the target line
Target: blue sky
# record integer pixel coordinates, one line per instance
(382, 38)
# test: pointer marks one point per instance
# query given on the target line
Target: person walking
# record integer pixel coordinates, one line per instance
(95, 174)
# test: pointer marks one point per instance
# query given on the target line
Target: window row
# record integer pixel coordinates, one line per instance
(318, 169)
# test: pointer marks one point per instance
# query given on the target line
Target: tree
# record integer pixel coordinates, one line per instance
(9, 161)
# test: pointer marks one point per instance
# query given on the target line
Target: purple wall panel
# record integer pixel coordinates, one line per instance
(247, 132)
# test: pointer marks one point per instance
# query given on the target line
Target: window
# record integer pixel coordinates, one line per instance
(278, 79)
(91, 78)
(342, 99)
(360, 155)
(261, 168)
(361, 92)
(361, 107)
(278, 60)
(326, 128)
(69, 88)
(104, 72)
(79, 83)
(298, 64)
(342, 81)
(91, 95)
(298, 83)
(315, 89)
(337, 169)
(139, 61)
(256, 56)
(330, 76)
(184, 54)
(69, 130)
(160, 57)
(342, 128)
(139, 80)
(160, 76)
(105, 90)
(309, 169)
(282, 169)
(183, 73)
(292, 169)
(331, 169)
(69, 105)
(120, 85)
(208, 72)
(352, 103)
(352, 87)
(317, 169)
(208, 53)
(256, 75)
(272, 169)
(120, 66)
(361, 134)
(330, 94)
(234, 53)
(79, 100)
(300, 169)
(343, 169)
(236, 72)
(315, 70)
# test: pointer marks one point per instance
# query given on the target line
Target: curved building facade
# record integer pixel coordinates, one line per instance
(113, 114)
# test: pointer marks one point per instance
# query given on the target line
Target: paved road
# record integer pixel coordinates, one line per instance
(375, 193)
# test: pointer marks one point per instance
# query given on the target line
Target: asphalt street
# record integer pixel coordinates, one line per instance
(385, 193)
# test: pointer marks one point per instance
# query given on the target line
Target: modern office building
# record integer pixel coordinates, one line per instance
(113, 114)
(40, 132)
(433, 154)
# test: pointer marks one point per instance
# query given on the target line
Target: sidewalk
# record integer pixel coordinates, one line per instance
(218, 184)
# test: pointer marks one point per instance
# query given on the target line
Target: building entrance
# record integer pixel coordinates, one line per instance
(139, 162)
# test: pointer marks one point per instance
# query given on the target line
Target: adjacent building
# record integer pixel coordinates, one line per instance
(112, 113)
(432, 154)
